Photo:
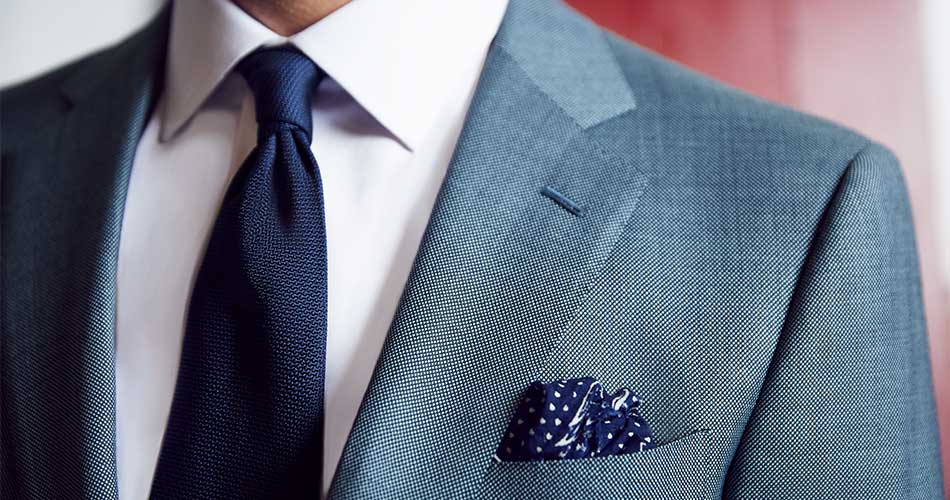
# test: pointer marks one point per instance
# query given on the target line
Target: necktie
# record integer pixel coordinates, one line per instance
(247, 415)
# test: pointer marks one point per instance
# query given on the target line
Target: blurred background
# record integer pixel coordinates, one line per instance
(879, 66)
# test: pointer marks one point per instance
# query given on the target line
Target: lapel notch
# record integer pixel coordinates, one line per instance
(58, 340)
(501, 268)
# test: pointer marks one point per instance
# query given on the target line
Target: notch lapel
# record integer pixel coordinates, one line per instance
(501, 268)
(58, 404)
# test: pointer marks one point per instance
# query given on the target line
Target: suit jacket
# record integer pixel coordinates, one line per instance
(748, 270)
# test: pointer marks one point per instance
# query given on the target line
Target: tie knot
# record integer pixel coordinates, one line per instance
(282, 80)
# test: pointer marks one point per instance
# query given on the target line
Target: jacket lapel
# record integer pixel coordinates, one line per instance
(501, 268)
(58, 364)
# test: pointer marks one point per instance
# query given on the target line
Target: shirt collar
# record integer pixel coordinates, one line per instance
(398, 60)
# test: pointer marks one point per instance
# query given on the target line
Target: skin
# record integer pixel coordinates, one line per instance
(286, 17)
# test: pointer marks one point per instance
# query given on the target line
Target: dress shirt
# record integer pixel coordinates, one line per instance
(401, 76)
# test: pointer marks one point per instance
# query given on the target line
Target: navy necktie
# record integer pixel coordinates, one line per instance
(247, 416)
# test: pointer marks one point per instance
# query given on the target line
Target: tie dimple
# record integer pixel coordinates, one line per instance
(283, 80)
(247, 417)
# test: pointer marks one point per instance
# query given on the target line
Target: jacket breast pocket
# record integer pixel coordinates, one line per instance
(681, 469)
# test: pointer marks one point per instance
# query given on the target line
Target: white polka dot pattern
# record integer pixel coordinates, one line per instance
(574, 418)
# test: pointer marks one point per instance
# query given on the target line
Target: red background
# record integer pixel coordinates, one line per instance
(857, 62)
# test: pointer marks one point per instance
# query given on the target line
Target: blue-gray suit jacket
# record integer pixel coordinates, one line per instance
(748, 270)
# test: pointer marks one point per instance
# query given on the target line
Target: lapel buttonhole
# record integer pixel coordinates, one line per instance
(565, 202)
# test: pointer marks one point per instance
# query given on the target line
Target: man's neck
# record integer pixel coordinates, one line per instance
(286, 17)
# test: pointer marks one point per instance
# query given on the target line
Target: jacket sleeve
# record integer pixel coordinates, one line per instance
(846, 409)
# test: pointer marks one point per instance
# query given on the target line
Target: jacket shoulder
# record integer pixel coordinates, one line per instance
(32, 104)
(681, 96)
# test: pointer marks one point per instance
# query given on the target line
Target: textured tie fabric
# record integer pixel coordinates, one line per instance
(574, 418)
(247, 416)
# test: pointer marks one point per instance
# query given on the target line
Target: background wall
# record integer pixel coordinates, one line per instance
(36, 35)
(879, 66)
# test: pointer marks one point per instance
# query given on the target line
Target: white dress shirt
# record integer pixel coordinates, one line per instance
(385, 124)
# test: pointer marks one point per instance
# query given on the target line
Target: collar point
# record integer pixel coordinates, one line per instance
(166, 130)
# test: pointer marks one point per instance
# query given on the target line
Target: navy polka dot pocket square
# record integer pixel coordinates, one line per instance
(574, 418)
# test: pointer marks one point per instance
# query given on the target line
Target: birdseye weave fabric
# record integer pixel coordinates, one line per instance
(247, 416)
(574, 418)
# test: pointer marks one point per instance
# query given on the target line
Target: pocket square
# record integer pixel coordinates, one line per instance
(574, 418)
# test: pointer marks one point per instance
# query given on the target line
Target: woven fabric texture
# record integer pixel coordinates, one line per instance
(68, 140)
(748, 270)
(247, 416)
